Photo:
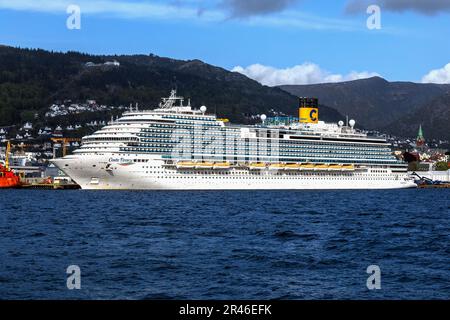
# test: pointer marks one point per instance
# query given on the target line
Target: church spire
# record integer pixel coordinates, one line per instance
(420, 141)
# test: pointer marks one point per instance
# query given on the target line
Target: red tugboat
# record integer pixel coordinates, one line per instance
(8, 179)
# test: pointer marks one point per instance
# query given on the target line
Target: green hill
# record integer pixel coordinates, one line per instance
(31, 80)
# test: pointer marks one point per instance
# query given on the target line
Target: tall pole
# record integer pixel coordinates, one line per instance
(64, 141)
(8, 150)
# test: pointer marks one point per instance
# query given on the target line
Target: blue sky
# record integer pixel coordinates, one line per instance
(272, 41)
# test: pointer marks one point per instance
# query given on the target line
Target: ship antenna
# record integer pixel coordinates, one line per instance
(175, 86)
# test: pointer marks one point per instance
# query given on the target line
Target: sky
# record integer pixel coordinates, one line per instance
(272, 41)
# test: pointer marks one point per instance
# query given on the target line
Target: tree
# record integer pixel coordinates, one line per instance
(27, 116)
(442, 166)
(413, 166)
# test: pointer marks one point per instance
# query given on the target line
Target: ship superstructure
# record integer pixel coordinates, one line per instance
(176, 146)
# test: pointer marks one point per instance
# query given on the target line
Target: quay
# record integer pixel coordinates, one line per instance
(443, 176)
(433, 186)
(48, 184)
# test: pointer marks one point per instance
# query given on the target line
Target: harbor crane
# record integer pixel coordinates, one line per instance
(64, 142)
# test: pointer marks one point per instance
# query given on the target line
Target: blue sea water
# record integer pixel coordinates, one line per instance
(225, 245)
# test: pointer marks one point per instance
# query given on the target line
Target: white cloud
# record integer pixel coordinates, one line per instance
(306, 73)
(438, 75)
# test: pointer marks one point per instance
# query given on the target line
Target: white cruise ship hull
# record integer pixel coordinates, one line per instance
(97, 173)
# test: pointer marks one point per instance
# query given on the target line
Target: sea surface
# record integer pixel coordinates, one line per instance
(225, 245)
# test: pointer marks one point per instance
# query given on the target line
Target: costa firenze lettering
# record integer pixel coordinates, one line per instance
(121, 161)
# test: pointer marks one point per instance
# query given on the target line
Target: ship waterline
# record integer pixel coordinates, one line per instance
(175, 147)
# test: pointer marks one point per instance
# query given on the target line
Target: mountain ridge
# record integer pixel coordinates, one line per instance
(32, 79)
(377, 103)
(438, 119)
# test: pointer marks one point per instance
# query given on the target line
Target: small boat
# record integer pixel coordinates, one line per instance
(185, 165)
(204, 165)
(348, 167)
(257, 166)
(320, 167)
(221, 165)
(293, 166)
(277, 166)
(307, 166)
(334, 167)
(8, 178)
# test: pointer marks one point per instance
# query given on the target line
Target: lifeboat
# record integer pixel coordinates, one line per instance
(257, 166)
(307, 166)
(319, 167)
(293, 166)
(335, 167)
(204, 165)
(221, 165)
(277, 166)
(348, 167)
(185, 165)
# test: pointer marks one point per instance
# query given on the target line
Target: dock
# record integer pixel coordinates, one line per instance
(47, 184)
(434, 186)
(50, 186)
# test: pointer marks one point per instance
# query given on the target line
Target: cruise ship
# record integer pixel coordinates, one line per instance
(177, 147)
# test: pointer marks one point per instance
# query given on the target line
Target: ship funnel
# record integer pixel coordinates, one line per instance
(309, 110)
